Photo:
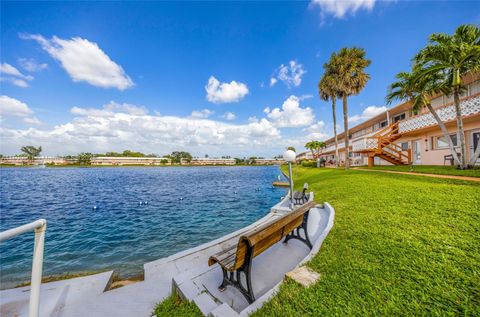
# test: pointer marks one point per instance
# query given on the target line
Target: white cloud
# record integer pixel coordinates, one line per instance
(317, 131)
(32, 120)
(291, 115)
(202, 114)
(11, 107)
(291, 74)
(110, 109)
(341, 8)
(305, 97)
(368, 113)
(229, 116)
(10, 74)
(115, 127)
(84, 61)
(31, 65)
(225, 92)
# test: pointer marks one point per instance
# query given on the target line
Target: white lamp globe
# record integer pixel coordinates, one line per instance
(289, 156)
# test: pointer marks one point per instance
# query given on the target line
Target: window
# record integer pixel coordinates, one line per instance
(383, 124)
(399, 117)
(404, 146)
(439, 142)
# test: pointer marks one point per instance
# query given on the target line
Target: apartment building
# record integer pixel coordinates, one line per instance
(113, 160)
(398, 136)
(268, 161)
(207, 161)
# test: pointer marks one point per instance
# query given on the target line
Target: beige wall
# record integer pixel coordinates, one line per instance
(429, 156)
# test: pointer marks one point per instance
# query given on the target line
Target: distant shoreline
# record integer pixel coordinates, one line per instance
(127, 165)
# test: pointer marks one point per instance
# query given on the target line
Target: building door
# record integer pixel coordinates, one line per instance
(475, 142)
(416, 152)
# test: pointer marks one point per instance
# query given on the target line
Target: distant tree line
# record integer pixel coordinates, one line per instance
(85, 158)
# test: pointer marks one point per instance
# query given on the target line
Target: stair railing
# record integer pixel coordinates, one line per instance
(398, 151)
(39, 227)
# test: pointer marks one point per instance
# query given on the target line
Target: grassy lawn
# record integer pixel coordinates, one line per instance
(401, 245)
(174, 306)
(432, 169)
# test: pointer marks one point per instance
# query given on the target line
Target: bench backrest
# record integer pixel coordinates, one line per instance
(267, 235)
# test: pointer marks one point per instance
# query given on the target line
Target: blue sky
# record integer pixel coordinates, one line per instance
(210, 78)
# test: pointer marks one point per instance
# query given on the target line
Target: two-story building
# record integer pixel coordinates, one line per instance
(398, 136)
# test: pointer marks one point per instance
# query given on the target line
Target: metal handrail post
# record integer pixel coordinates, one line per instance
(37, 268)
(39, 227)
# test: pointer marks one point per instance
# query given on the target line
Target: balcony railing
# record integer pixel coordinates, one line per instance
(468, 107)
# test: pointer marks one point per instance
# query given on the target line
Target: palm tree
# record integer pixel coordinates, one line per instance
(328, 90)
(349, 65)
(311, 146)
(417, 88)
(31, 152)
(452, 57)
(315, 147)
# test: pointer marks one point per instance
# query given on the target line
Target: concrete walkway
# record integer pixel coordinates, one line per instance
(464, 178)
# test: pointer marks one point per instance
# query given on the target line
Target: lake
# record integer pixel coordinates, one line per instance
(117, 218)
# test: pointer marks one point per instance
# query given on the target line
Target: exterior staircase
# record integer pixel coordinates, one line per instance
(381, 144)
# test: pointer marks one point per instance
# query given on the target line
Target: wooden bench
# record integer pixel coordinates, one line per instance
(238, 258)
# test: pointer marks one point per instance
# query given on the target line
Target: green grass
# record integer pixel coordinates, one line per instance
(174, 306)
(432, 169)
(402, 245)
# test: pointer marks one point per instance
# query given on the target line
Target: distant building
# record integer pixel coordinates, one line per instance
(22, 160)
(207, 161)
(113, 160)
(307, 155)
(268, 161)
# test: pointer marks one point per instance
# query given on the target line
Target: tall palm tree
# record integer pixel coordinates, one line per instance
(349, 67)
(452, 57)
(328, 90)
(418, 88)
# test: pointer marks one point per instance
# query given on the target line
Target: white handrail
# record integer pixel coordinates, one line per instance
(39, 227)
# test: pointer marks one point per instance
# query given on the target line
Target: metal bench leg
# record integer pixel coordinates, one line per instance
(295, 234)
(234, 278)
(224, 284)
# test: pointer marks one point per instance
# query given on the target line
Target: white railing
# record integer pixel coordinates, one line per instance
(365, 144)
(469, 107)
(39, 227)
(332, 147)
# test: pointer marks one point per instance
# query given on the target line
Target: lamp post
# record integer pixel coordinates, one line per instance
(290, 156)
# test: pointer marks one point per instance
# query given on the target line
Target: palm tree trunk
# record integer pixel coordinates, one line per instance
(475, 156)
(445, 133)
(334, 109)
(345, 125)
(461, 132)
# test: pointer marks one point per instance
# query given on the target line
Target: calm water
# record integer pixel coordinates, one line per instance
(186, 206)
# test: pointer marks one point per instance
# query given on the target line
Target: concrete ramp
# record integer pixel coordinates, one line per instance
(54, 296)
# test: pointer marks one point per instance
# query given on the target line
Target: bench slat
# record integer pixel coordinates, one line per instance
(260, 239)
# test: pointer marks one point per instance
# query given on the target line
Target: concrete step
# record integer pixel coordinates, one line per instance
(54, 296)
(139, 299)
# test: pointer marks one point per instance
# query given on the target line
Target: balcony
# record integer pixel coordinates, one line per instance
(469, 107)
